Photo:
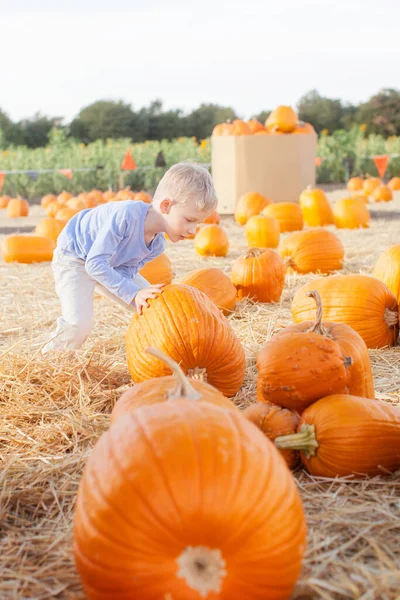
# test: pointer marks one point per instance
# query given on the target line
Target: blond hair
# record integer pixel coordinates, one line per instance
(187, 180)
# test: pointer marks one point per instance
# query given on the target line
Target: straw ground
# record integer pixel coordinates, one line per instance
(53, 412)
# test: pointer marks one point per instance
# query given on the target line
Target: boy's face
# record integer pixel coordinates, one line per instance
(181, 219)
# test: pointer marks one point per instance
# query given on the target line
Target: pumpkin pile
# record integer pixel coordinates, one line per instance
(282, 120)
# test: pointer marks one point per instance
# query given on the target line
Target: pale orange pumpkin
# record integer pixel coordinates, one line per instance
(387, 269)
(45, 201)
(125, 194)
(96, 196)
(260, 275)
(262, 232)
(283, 119)
(351, 213)
(143, 196)
(315, 207)
(50, 228)
(212, 219)
(158, 270)
(4, 200)
(288, 215)
(27, 249)
(361, 196)
(211, 240)
(17, 207)
(394, 184)
(63, 197)
(382, 193)
(255, 125)
(303, 127)
(65, 214)
(76, 204)
(312, 251)
(52, 208)
(239, 127)
(109, 195)
(355, 184)
(370, 184)
(216, 285)
(249, 205)
(222, 129)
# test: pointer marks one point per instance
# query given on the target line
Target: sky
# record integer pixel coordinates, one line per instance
(58, 57)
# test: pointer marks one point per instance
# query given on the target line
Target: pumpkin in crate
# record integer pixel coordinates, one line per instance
(46, 200)
(65, 213)
(143, 196)
(283, 119)
(259, 275)
(162, 494)
(222, 129)
(171, 387)
(360, 301)
(303, 127)
(312, 251)
(27, 249)
(387, 269)
(52, 208)
(248, 205)
(361, 382)
(262, 232)
(342, 435)
(370, 183)
(394, 184)
(49, 228)
(4, 200)
(158, 270)
(382, 193)
(351, 213)
(64, 197)
(355, 184)
(17, 207)
(212, 219)
(288, 215)
(315, 207)
(185, 324)
(216, 285)
(211, 240)
(255, 125)
(275, 421)
(239, 127)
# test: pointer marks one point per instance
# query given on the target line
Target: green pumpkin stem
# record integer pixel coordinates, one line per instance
(183, 390)
(305, 441)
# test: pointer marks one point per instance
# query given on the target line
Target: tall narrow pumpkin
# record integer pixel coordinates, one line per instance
(187, 326)
(27, 249)
(262, 232)
(211, 240)
(288, 215)
(360, 301)
(17, 207)
(312, 251)
(260, 275)
(351, 213)
(190, 501)
(158, 270)
(215, 284)
(387, 269)
(249, 204)
(315, 207)
(343, 435)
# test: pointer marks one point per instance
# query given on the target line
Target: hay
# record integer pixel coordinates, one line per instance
(53, 411)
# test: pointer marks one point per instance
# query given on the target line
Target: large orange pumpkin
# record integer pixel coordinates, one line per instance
(315, 207)
(185, 500)
(239, 127)
(343, 435)
(211, 240)
(394, 184)
(262, 232)
(288, 215)
(248, 205)
(17, 207)
(158, 270)
(27, 249)
(216, 285)
(355, 184)
(382, 193)
(312, 251)
(260, 275)
(351, 213)
(362, 302)
(49, 228)
(387, 269)
(186, 325)
(283, 118)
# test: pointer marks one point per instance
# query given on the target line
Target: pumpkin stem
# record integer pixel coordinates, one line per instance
(183, 387)
(253, 253)
(390, 317)
(305, 441)
(202, 569)
(318, 327)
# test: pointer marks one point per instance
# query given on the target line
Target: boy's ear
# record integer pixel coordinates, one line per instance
(165, 206)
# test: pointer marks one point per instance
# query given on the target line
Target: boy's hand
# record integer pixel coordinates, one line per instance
(143, 295)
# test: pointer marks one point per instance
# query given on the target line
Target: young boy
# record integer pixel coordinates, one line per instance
(106, 246)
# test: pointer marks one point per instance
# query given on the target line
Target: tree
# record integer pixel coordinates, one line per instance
(381, 113)
(322, 113)
(103, 119)
(162, 125)
(34, 132)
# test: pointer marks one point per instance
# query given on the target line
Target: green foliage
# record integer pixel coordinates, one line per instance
(102, 120)
(322, 113)
(381, 113)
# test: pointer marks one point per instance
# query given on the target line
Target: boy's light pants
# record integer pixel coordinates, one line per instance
(75, 289)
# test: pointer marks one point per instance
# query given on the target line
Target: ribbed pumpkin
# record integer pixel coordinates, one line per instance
(283, 118)
(52, 208)
(171, 387)
(211, 240)
(370, 184)
(382, 193)
(387, 269)
(49, 228)
(65, 213)
(275, 421)
(312, 251)
(239, 127)
(185, 500)
(4, 200)
(187, 326)
(361, 382)
(302, 127)
(315, 208)
(143, 196)
(288, 215)
(27, 249)
(212, 219)
(262, 232)
(343, 435)
(355, 184)
(158, 270)
(222, 129)
(216, 285)
(260, 275)
(17, 207)
(255, 125)
(249, 205)
(351, 213)
(45, 201)
(63, 197)
(394, 184)
(360, 301)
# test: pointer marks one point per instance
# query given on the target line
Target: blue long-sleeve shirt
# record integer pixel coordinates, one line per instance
(110, 239)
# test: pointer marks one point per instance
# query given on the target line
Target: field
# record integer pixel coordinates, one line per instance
(53, 411)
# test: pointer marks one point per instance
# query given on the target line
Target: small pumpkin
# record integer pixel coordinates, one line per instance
(355, 184)
(312, 251)
(49, 228)
(394, 184)
(351, 213)
(283, 119)
(88, 201)
(63, 197)
(17, 207)
(143, 196)
(96, 196)
(239, 127)
(65, 213)
(45, 201)
(315, 207)
(260, 275)
(125, 194)
(52, 208)
(4, 200)
(387, 269)
(303, 127)
(222, 129)
(342, 435)
(262, 232)
(158, 270)
(370, 183)
(288, 215)
(275, 421)
(212, 219)
(185, 324)
(76, 204)
(211, 240)
(109, 195)
(360, 301)
(249, 205)
(255, 125)
(27, 249)
(216, 285)
(382, 193)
